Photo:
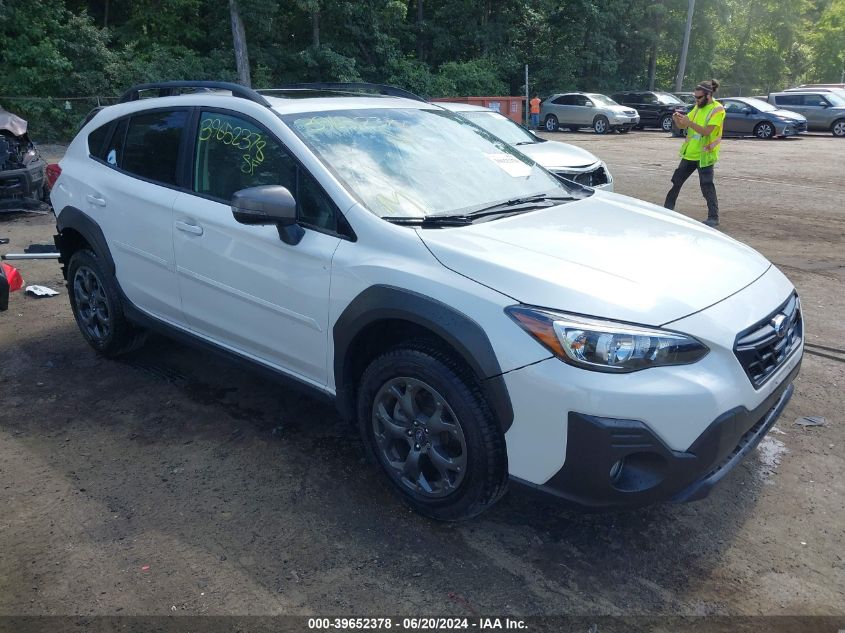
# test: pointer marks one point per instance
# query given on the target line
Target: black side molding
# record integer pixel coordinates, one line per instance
(465, 336)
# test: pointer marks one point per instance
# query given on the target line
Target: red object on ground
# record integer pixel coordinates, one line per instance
(13, 276)
(53, 172)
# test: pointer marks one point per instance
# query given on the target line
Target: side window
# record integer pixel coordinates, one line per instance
(151, 148)
(649, 99)
(564, 100)
(788, 100)
(580, 100)
(732, 106)
(233, 154)
(113, 150)
(814, 100)
(97, 139)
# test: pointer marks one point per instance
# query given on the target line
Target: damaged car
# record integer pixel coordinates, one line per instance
(22, 169)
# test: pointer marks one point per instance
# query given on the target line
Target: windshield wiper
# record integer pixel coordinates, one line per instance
(510, 206)
(516, 205)
(526, 143)
(429, 220)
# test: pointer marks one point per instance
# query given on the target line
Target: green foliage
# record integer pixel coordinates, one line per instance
(55, 49)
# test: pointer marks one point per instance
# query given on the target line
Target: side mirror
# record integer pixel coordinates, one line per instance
(824, 105)
(268, 204)
(589, 104)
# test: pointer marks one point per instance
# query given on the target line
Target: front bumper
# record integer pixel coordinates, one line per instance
(22, 187)
(613, 463)
(596, 176)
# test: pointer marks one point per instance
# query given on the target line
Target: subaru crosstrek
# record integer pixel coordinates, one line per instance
(478, 318)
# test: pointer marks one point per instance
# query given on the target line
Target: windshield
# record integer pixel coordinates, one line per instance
(602, 100)
(666, 98)
(499, 125)
(835, 98)
(762, 106)
(419, 163)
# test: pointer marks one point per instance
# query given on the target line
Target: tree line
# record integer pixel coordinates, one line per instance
(52, 50)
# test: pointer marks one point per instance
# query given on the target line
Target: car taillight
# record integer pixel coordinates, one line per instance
(53, 172)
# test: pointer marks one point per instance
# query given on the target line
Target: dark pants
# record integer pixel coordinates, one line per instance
(705, 179)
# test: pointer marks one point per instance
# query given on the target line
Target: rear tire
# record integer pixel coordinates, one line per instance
(601, 124)
(95, 302)
(838, 128)
(666, 123)
(551, 123)
(424, 420)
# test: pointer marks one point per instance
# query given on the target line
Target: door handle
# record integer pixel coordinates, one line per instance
(193, 229)
(100, 202)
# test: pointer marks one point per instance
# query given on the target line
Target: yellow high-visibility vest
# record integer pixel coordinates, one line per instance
(707, 146)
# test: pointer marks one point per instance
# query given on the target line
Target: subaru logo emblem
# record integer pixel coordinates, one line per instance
(779, 323)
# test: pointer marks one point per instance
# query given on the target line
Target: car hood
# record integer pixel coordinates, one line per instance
(607, 256)
(12, 123)
(787, 114)
(553, 154)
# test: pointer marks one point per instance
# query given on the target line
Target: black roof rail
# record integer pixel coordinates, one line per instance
(357, 86)
(169, 88)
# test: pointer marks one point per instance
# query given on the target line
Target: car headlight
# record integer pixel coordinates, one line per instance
(606, 346)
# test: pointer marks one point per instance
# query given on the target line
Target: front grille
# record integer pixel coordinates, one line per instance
(801, 126)
(765, 346)
(12, 187)
(631, 112)
(594, 178)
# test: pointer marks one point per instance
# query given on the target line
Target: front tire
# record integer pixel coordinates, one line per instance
(551, 123)
(838, 128)
(95, 302)
(601, 124)
(764, 130)
(424, 420)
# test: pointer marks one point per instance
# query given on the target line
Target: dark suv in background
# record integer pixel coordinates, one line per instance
(655, 108)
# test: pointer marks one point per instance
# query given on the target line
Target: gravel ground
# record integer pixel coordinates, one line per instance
(175, 482)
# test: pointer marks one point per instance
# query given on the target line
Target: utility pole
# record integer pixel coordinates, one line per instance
(682, 64)
(527, 97)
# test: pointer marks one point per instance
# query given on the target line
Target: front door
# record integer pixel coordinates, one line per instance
(241, 286)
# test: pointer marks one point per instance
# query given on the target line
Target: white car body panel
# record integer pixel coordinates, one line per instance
(587, 257)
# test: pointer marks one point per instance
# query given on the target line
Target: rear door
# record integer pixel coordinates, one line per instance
(241, 285)
(814, 107)
(736, 121)
(130, 192)
(563, 109)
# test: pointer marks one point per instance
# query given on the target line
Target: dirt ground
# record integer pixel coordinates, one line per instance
(175, 482)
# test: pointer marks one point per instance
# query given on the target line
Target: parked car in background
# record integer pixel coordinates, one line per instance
(568, 161)
(746, 116)
(574, 110)
(824, 110)
(686, 97)
(21, 166)
(655, 108)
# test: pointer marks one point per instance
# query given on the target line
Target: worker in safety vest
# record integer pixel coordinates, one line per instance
(535, 112)
(700, 150)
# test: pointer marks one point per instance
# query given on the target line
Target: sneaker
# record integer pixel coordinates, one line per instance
(712, 221)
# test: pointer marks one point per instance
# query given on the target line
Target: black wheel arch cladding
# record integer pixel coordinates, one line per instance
(466, 337)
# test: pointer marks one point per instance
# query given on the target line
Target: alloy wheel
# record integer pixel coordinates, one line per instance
(765, 130)
(418, 437)
(91, 304)
(839, 128)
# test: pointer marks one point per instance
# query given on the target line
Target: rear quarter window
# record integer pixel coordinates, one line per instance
(97, 141)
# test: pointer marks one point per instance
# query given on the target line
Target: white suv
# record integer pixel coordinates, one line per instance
(481, 320)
